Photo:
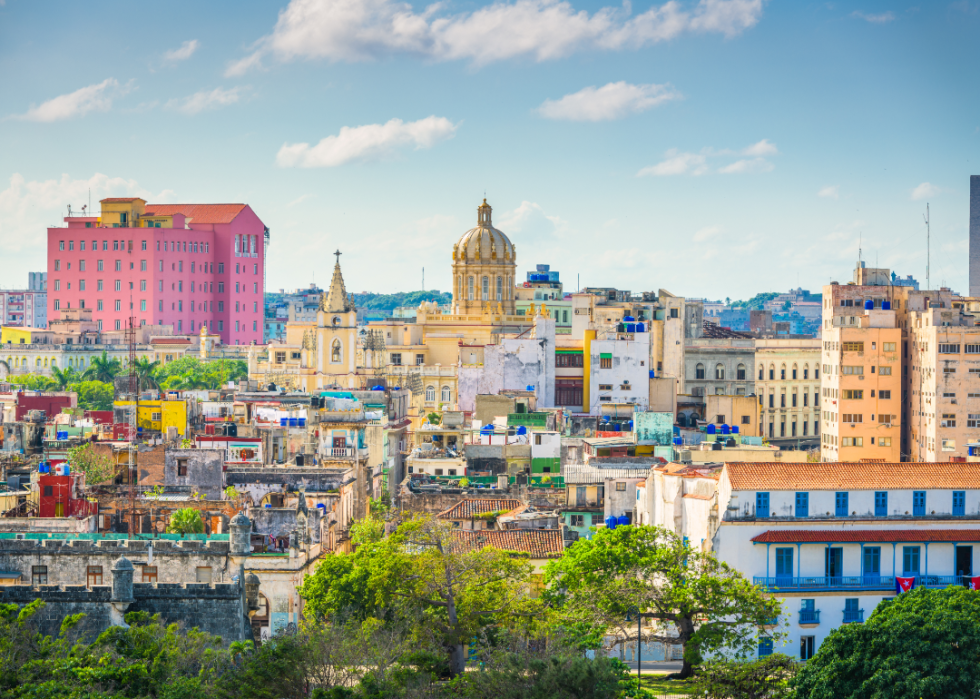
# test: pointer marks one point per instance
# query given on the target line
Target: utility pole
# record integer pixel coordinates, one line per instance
(926, 217)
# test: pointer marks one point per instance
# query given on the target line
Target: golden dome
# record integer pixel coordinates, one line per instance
(484, 244)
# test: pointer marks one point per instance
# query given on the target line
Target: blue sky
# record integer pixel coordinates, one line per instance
(714, 148)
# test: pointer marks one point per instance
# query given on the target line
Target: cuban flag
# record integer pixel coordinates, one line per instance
(904, 584)
(975, 583)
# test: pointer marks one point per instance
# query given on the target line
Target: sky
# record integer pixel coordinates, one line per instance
(713, 148)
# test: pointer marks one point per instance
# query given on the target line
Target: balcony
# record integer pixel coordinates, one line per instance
(855, 582)
(809, 616)
(853, 616)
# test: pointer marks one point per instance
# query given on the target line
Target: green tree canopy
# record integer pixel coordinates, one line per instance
(185, 521)
(102, 368)
(190, 373)
(757, 302)
(94, 395)
(97, 467)
(693, 598)
(924, 644)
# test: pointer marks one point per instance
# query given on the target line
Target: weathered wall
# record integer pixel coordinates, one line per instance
(490, 406)
(663, 395)
(260, 482)
(204, 470)
(654, 428)
(280, 521)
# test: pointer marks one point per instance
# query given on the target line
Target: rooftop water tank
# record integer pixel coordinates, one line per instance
(630, 327)
(710, 429)
(640, 328)
(623, 521)
(725, 429)
(886, 305)
(653, 374)
(716, 446)
(610, 522)
(628, 319)
(734, 429)
(678, 441)
(521, 429)
(869, 305)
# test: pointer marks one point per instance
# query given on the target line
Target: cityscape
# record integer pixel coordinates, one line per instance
(357, 436)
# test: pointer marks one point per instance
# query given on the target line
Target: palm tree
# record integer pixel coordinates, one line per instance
(64, 377)
(103, 369)
(146, 373)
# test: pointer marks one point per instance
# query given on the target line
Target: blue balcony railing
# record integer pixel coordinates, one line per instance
(809, 616)
(856, 582)
(853, 616)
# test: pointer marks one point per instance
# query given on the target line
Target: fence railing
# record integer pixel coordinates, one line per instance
(856, 582)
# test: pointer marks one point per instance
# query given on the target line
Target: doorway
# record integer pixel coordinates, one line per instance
(834, 565)
(964, 564)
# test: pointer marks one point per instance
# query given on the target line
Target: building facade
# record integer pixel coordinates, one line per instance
(26, 308)
(184, 265)
(788, 390)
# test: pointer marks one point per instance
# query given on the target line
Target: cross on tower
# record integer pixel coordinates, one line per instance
(338, 254)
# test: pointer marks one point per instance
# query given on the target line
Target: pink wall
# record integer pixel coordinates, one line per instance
(182, 286)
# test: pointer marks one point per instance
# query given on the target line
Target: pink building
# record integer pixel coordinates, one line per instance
(185, 265)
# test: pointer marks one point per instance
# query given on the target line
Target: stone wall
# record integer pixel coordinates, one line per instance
(204, 470)
(259, 482)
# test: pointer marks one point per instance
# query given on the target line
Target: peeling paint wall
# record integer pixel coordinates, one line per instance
(654, 428)
(627, 379)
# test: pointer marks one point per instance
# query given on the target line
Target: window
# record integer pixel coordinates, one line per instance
(118, 265)
(851, 417)
(94, 575)
(840, 502)
(765, 647)
(149, 574)
(446, 394)
(959, 503)
(762, 504)
(918, 503)
(181, 467)
(949, 420)
(39, 575)
(772, 398)
(852, 370)
(419, 359)
(396, 358)
(948, 348)
(577, 520)
(605, 361)
(852, 346)
(699, 371)
(852, 441)
(803, 504)
(887, 346)
(61, 245)
(884, 370)
(884, 441)
(118, 285)
(885, 395)
(852, 395)
(806, 647)
(910, 560)
(564, 360)
(971, 349)
(621, 486)
(746, 420)
(430, 394)
(740, 372)
(221, 268)
(719, 372)
(881, 504)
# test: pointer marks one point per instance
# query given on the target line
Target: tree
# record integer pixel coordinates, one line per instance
(423, 571)
(185, 521)
(102, 368)
(694, 599)
(97, 467)
(924, 643)
(94, 395)
(63, 378)
(765, 678)
(145, 373)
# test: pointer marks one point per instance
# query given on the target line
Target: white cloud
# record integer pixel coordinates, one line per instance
(367, 142)
(93, 98)
(611, 101)
(706, 233)
(831, 191)
(740, 167)
(530, 219)
(677, 163)
(358, 30)
(206, 100)
(185, 51)
(880, 18)
(27, 208)
(924, 191)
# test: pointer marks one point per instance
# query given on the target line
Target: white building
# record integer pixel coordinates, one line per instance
(829, 539)
(619, 369)
(681, 498)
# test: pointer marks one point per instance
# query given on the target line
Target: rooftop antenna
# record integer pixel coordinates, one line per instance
(926, 218)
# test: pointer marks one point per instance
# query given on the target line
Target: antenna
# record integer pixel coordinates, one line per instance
(926, 218)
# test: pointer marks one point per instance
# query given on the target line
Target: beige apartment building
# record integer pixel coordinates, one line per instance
(944, 377)
(788, 391)
(861, 380)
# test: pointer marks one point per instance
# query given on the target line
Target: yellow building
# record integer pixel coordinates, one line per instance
(158, 415)
(484, 261)
(10, 335)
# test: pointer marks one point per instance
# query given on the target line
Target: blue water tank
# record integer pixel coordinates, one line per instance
(631, 425)
(710, 429)
(284, 422)
(653, 374)
(521, 429)
(623, 521)
(321, 506)
(678, 441)
(869, 305)
(67, 469)
(616, 427)
(631, 327)
(886, 305)
(610, 522)
(725, 429)
(640, 328)
(605, 418)
(268, 505)
(734, 429)
(627, 319)
(377, 388)
(302, 422)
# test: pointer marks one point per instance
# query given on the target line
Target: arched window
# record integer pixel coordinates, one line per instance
(430, 394)
(762, 372)
(37, 362)
(782, 372)
(336, 352)
(719, 371)
(469, 283)
(45, 361)
(740, 372)
(54, 362)
(772, 372)
(699, 371)
(486, 289)
(806, 371)
(446, 393)
(794, 372)
(816, 372)
(500, 288)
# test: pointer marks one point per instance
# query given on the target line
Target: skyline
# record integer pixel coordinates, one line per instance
(745, 136)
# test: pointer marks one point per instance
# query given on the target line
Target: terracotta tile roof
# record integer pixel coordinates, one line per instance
(818, 536)
(199, 213)
(853, 476)
(539, 543)
(468, 507)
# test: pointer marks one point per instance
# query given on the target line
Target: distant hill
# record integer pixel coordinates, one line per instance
(389, 302)
(757, 302)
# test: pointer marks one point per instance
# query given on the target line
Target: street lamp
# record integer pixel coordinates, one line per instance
(634, 610)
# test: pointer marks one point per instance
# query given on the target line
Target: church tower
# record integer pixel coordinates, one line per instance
(335, 345)
(484, 262)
